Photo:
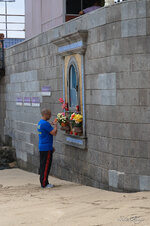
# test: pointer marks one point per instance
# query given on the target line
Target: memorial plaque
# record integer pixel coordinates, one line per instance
(35, 102)
(27, 101)
(19, 101)
(46, 91)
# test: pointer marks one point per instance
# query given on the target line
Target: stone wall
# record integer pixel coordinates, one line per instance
(117, 95)
(2, 109)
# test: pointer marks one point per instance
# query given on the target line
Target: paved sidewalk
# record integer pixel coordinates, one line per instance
(23, 202)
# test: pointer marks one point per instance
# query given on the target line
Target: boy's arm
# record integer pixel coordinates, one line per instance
(54, 131)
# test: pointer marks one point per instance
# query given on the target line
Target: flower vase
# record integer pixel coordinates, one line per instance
(65, 127)
(78, 131)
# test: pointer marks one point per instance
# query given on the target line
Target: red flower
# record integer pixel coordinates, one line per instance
(64, 106)
(61, 100)
(77, 108)
(63, 113)
(67, 109)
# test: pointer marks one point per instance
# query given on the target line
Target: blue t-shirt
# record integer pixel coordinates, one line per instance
(45, 138)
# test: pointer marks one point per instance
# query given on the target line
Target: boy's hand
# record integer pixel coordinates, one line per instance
(55, 121)
(53, 149)
(81, 13)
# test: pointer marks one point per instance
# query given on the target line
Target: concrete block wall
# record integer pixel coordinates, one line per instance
(2, 109)
(117, 97)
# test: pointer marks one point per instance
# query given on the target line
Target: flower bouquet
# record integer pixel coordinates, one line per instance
(76, 122)
(69, 121)
(62, 120)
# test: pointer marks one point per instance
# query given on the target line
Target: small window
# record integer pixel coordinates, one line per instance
(73, 85)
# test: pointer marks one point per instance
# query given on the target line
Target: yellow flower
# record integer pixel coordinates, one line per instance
(78, 118)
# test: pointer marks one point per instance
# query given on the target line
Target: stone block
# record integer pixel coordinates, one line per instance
(113, 30)
(34, 139)
(105, 160)
(136, 80)
(128, 97)
(143, 97)
(141, 9)
(119, 130)
(92, 51)
(92, 157)
(55, 33)
(113, 47)
(102, 128)
(105, 176)
(26, 127)
(102, 97)
(96, 66)
(33, 162)
(132, 45)
(140, 114)
(133, 9)
(119, 63)
(20, 135)
(133, 27)
(30, 75)
(98, 143)
(141, 27)
(32, 86)
(113, 13)
(128, 10)
(138, 166)
(101, 81)
(94, 173)
(21, 155)
(73, 26)
(141, 62)
(27, 147)
(131, 182)
(101, 33)
(114, 178)
(144, 182)
(147, 8)
(125, 28)
(96, 19)
(140, 131)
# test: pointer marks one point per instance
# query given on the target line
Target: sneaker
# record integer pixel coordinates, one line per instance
(49, 186)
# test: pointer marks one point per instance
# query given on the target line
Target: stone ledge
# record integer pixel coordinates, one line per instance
(72, 43)
(76, 141)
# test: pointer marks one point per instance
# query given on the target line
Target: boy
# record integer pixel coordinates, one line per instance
(46, 133)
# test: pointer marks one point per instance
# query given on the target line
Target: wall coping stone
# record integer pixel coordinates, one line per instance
(86, 22)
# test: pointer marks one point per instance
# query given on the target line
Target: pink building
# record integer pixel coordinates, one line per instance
(42, 15)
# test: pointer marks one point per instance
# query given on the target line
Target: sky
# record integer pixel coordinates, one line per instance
(17, 8)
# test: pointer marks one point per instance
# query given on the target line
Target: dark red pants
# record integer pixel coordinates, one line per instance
(46, 158)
